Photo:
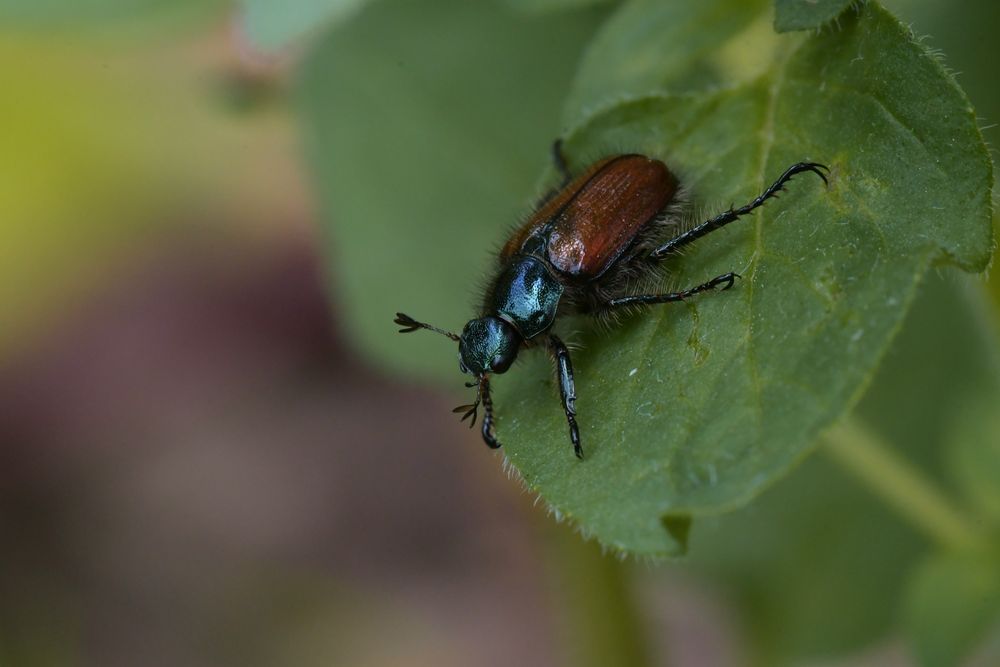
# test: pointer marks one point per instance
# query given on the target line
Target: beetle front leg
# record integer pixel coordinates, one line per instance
(726, 280)
(567, 389)
(484, 393)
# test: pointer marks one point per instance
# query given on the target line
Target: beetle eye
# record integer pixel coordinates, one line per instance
(502, 360)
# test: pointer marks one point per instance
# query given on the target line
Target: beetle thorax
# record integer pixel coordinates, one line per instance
(527, 296)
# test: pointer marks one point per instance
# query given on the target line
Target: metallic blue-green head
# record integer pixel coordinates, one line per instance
(487, 345)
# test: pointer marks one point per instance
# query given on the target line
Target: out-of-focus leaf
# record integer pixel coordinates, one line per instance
(102, 13)
(807, 14)
(673, 47)
(815, 565)
(953, 600)
(271, 25)
(974, 455)
(93, 165)
(541, 6)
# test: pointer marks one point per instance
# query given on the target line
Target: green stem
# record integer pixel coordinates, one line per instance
(901, 484)
(602, 623)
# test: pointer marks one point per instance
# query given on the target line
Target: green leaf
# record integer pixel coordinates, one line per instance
(695, 408)
(953, 601)
(425, 150)
(272, 25)
(807, 14)
(675, 47)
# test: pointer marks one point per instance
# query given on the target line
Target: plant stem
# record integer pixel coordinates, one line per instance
(602, 624)
(901, 484)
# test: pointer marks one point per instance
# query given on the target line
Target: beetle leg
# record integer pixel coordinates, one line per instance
(726, 280)
(484, 392)
(733, 214)
(560, 162)
(409, 324)
(567, 390)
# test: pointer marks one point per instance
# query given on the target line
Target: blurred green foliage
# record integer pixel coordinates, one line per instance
(272, 25)
(109, 143)
(673, 47)
(973, 455)
(110, 17)
(953, 599)
(807, 14)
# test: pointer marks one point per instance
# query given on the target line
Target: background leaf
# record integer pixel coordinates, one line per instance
(540, 6)
(807, 14)
(974, 454)
(673, 47)
(272, 25)
(953, 600)
(103, 14)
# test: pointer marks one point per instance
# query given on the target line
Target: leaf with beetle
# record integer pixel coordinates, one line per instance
(694, 407)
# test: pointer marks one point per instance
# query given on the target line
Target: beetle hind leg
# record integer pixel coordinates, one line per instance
(732, 214)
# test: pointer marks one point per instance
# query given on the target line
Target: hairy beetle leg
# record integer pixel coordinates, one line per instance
(732, 214)
(487, 430)
(726, 280)
(559, 160)
(567, 389)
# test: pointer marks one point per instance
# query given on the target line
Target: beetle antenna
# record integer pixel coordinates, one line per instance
(484, 395)
(409, 324)
(470, 410)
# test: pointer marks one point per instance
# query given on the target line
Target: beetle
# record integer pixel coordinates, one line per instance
(587, 242)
